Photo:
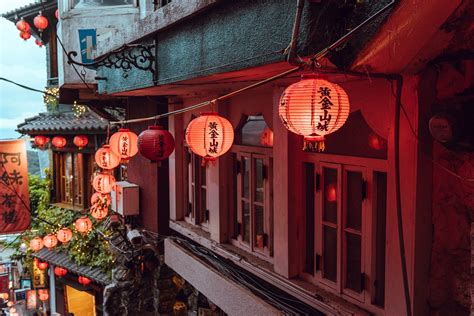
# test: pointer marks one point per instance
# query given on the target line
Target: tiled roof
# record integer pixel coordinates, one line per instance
(62, 260)
(63, 122)
(29, 9)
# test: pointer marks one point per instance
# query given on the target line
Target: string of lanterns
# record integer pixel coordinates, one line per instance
(80, 141)
(40, 22)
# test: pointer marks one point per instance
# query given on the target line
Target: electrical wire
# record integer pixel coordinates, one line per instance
(28, 88)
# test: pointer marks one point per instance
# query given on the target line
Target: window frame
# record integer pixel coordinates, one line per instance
(368, 167)
(61, 178)
(71, 6)
(266, 154)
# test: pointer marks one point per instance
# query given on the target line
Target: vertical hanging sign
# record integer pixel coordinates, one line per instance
(14, 198)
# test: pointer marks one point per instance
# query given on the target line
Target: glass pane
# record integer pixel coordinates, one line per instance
(330, 195)
(353, 253)
(68, 179)
(309, 219)
(203, 174)
(99, 3)
(259, 226)
(78, 178)
(354, 200)
(246, 221)
(203, 204)
(330, 253)
(246, 177)
(259, 170)
(380, 233)
(255, 132)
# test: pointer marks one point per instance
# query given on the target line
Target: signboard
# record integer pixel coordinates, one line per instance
(39, 277)
(14, 198)
(25, 283)
(87, 42)
(31, 299)
(20, 295)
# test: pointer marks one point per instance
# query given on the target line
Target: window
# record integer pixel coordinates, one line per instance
(253, 186)
(161, 3)
(69, 178)
(100, 3)
(345, 225)
(196, 175)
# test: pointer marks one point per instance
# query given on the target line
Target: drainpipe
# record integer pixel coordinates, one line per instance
(52, 290)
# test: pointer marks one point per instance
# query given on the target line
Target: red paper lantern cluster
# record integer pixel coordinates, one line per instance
(64, 235)
(80, 141)
(103, 182)
(50, 241)
(83, 280)
(36, 243)
(41, 141)
(155, 143)
(59, 141)
(99, 212)
(314, 107)
(209, 136)
(42, 265)
(23, 26)
(124, 144)
(25, 35)
(106, 158)
(101, 199)
(43, 294)
(60, 272)
(40, 22)
(83, 225)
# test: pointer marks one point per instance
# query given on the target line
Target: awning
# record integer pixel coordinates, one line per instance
(62, 260)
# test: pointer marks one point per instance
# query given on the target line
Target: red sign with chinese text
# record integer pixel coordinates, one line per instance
(14, 198)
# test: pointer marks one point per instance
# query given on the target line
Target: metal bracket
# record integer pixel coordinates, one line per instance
(125, 57)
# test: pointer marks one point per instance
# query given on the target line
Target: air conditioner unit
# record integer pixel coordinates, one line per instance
(125, 197)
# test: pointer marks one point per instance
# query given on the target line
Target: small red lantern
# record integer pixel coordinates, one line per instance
(41, 141)
(106, 158)
(39, 43)
(124, 144)
(101, 199)
(40, 22)
(103, 182)
(80, 141)
(42, 265)
(59, 141)
(210, 135)
(83, 225)
(36, 243)
(60, 272)
(56, 14)
(64, 235)
(50, 241)
(99, 212)
(23, 26)
(331, 193)
(155, 143)
(25, 35)
(376, 142)
(83, 280)
(43, 294)
(314, 107)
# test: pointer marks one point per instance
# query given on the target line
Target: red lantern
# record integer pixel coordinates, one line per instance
(39, 43)
(209, 136)
(60, 272)
(50, 241)
(155, 143)
(40, 141)
(80, 141)
(83, 225)
(376, 142)
(99, 212)
(43, 294)
(83, 280)
(101, 199)
(103, 182)
(56, 14)
(25, 35)
(314, 108)
(59, 141)
(23, 26)
(42, 265)
(64, 235)
(331, 193)
(40, 22)
(36, 243)
(106, 158)
(124, 144)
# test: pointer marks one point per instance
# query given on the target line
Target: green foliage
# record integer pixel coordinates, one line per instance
(39, 193)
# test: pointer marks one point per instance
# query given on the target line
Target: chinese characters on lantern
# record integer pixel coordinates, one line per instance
(14, 200)
(325, 101)
(213, 135)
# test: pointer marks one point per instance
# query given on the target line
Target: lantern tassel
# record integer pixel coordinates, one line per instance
(314, 144)
(208, 159)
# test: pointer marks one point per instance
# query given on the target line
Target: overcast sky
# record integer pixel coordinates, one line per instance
(25, 63)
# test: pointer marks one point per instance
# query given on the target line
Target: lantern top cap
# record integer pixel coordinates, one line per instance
(155, 127)
(106, 146)
(124, 130)
(208, 113)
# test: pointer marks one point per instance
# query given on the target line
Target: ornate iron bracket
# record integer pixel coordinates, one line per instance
(125, 58)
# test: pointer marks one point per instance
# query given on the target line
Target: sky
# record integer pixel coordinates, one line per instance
(23, 62)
